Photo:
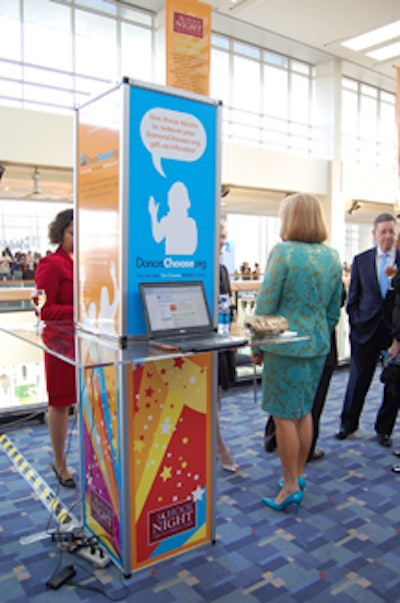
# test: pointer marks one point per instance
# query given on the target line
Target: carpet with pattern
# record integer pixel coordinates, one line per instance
(342, 547)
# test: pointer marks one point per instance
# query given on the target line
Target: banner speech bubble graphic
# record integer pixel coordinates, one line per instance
(168, 134)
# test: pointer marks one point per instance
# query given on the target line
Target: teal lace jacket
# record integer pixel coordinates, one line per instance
(303, 283)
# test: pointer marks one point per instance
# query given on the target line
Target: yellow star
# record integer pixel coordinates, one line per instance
(185, 440)
(166, 473)
(184, 465)
(138, 445)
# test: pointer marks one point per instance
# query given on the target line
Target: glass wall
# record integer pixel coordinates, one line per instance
(24, 225)
(368, 125)
(255, 249)
(56, 54)
(268, 98)
(265, 233)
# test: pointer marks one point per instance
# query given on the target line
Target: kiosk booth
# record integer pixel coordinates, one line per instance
(147, 210)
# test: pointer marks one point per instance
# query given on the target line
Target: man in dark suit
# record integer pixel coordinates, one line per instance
(369, 306)
(387, 415)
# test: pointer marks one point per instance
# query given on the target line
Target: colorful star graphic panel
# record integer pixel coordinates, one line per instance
(171, 459)
(101, 456)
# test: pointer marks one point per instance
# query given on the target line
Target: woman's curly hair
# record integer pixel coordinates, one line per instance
(59, 224)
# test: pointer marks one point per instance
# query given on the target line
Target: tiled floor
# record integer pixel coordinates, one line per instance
(343, 546)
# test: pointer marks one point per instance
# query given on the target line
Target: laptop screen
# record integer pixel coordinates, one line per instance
(172, 308)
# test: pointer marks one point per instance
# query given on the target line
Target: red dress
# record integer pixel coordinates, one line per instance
(55, 274)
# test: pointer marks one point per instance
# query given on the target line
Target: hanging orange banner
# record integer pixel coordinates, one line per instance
(188, 38)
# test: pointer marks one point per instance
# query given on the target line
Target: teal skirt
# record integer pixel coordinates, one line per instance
(289, 385)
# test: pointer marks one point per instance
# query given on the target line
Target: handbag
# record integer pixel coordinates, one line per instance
(266, 325)
(270, 435)
(391, 374)
(391, 369)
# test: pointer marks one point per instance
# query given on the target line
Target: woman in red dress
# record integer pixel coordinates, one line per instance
(54, 274)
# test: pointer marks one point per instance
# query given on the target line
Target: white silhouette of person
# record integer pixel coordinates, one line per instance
(177, 228)
(108, 310)
(89, 321)
(89, 318)
(104, 320)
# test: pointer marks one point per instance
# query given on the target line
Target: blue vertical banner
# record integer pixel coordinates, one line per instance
(172, 165)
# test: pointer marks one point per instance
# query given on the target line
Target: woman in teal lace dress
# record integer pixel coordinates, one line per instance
(303, 283)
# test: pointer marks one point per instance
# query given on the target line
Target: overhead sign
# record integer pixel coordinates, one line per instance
(188, 38)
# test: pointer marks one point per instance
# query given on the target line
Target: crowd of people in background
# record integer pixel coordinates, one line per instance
(246, 273)
(19, 265)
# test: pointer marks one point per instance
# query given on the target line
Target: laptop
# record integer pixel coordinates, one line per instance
(178, 318)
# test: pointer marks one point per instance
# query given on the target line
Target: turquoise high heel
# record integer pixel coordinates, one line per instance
(295, 498)
(300, 480)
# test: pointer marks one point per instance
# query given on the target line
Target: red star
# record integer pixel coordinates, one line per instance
(149, 392)
(179, 362)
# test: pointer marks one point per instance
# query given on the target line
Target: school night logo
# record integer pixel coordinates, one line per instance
(102, 512)
(171, 520)
(188, 25)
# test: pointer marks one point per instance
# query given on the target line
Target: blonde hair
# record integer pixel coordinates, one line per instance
(302, 219)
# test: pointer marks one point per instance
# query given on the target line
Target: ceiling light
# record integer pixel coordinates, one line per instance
(35, 178)
(225, 190)
(354, 206)
(386, 52)
(374, 37)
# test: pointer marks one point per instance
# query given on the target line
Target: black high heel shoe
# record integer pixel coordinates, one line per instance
(67, 483)
(294, 498)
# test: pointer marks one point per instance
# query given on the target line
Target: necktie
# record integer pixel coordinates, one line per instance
(383, 279)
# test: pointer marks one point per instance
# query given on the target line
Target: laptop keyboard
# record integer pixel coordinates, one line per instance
(203, 342)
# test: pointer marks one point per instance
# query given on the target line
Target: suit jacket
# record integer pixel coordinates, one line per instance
(396, 310)
(332, 357)
(366, 309)
(224, 281)
(226, 359)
